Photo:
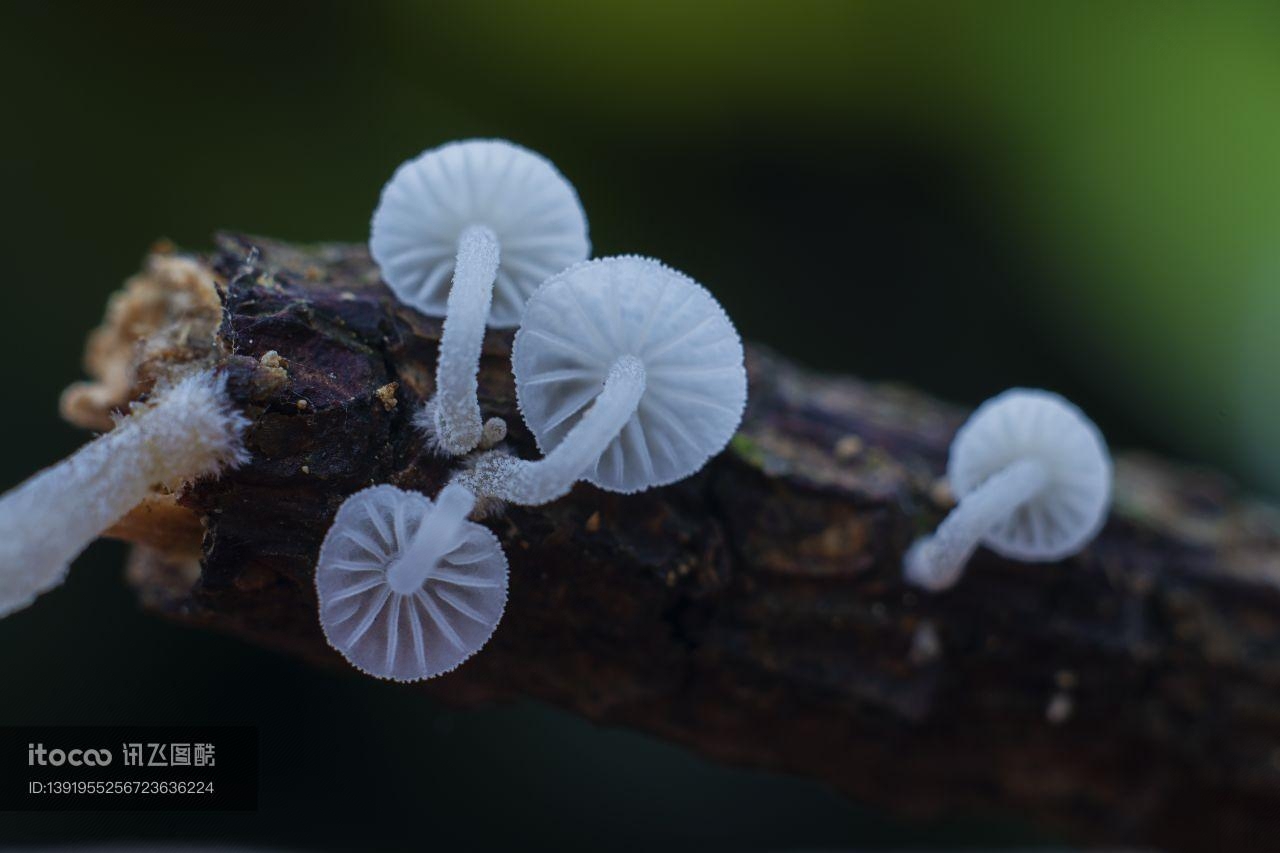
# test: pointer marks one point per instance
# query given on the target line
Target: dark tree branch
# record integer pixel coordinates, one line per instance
(754, 612)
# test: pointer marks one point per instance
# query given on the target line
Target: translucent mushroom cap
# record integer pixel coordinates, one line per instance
(581, 321)
(406, 637)
(1032, 424)
(518, 194)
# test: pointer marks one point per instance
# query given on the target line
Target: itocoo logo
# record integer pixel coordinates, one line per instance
(38, 755)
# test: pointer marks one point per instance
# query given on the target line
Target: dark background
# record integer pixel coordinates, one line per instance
(963, 197)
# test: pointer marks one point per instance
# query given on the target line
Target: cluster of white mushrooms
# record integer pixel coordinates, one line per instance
(628, 374)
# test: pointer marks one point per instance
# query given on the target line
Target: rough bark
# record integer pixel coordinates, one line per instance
(756, 611)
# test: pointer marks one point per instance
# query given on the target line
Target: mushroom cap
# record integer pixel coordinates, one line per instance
(1029, 423)
(406, 637)
(582, 320)
(516, 193)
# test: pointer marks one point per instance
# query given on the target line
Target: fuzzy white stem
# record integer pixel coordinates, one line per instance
(936, 562)
(188, 432)
(458, 426)
(519, 481)
(437, 535)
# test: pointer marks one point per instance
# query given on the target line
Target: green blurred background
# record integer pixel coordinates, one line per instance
(963, 196)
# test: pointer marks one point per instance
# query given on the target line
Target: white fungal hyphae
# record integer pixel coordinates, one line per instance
(628, 373)
(185, 432)
(1033, 479)
(408, 588)
(498, 220)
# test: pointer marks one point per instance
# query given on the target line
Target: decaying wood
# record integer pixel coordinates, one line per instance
(755, 612)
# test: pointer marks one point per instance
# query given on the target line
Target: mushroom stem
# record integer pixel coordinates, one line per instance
(528, 483)
(458, 428)
(436, 536)
(936, 562)
(189, 431)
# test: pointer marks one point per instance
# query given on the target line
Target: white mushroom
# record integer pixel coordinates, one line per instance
(408, 588)
(491, 214)
(628, 373)
(185, 432)
(1033, 479)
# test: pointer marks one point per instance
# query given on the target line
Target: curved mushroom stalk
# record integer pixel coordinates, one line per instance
(1033, 479)
(189, 431)
(674, 384)
(436, 536)
(936, 562)
(496, 475)
(456, 420)
(452, 207)
(408, 588)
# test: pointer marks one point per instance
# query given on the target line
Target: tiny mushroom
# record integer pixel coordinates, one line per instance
(629, 374)
(186, 431)
(1033, 479)
(408, 588)
(494, 215)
